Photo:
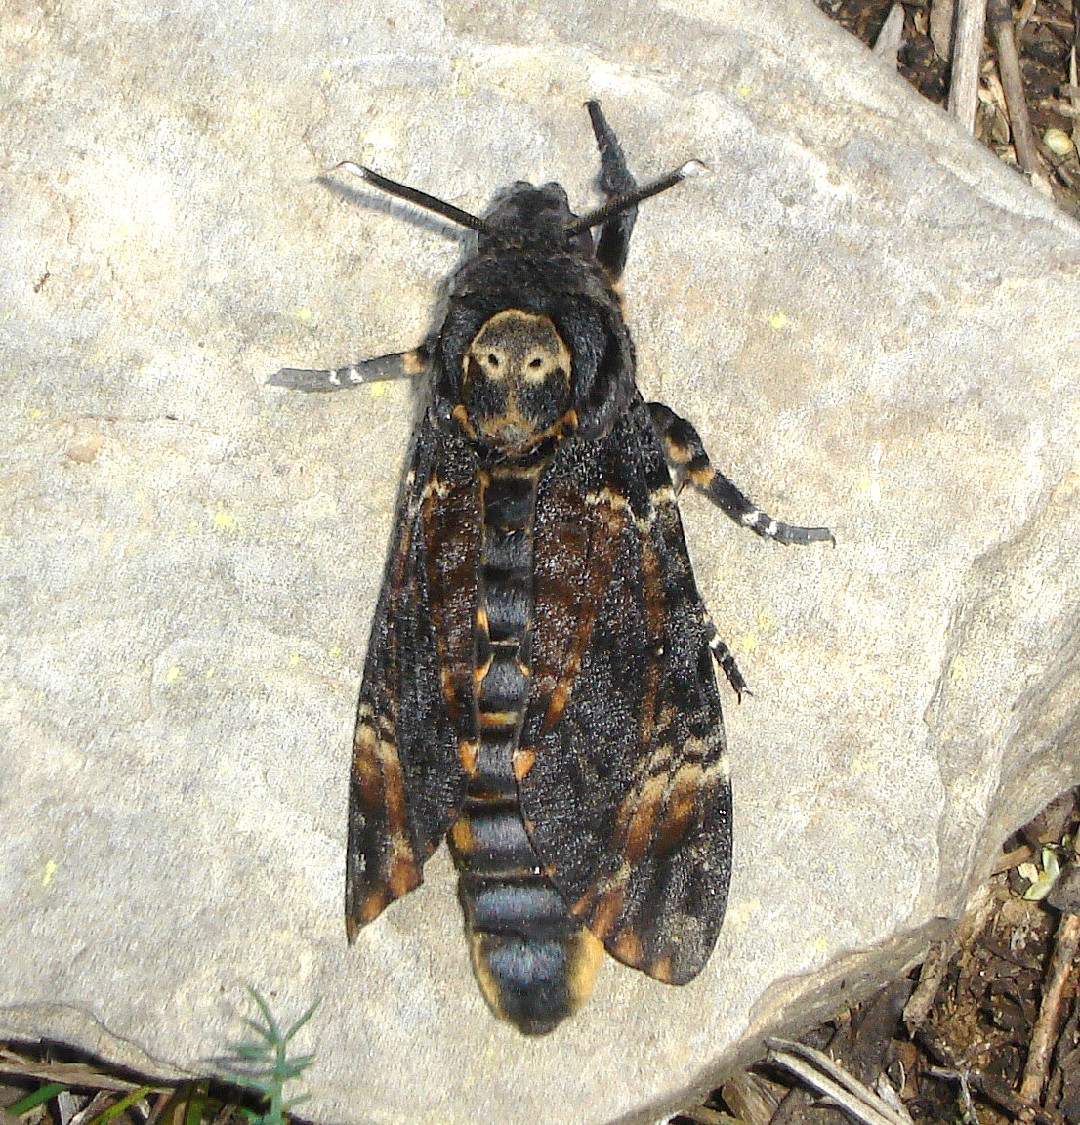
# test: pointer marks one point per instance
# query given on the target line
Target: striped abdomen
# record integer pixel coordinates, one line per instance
(535, 963)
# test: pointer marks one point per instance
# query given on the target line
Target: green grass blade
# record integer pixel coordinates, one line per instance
(39, 1097)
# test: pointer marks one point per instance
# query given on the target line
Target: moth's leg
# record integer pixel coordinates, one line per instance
(400, 365)
(615, 179)
(724, 657)
(688, 461)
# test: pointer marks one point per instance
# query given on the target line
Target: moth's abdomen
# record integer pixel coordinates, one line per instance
(535, 963)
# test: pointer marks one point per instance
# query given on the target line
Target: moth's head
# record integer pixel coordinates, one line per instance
(516, 383)
(534, 217)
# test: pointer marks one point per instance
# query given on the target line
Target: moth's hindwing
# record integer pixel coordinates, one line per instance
(627, 800)
(407, 782)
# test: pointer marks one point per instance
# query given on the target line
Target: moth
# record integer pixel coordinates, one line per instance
(539, 686)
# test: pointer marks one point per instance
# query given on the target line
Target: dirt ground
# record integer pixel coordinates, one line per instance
(987, 1030)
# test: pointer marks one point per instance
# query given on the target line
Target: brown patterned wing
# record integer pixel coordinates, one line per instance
(626, 795)
(415, 715)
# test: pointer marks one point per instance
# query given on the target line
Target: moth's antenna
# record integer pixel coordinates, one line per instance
(420, 198)
(632, 198)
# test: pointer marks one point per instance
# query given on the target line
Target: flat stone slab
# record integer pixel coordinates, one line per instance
(872, 323)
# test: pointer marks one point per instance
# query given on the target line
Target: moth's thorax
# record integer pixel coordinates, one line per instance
(535, 217)
(516, 383)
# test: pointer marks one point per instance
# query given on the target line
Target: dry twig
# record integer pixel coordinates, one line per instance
(1074, 89)
(817, 1070)
(71, 1074)
(891, 36)
(999, 16)
(942, 13)
(1044, 1034)
(967, 57)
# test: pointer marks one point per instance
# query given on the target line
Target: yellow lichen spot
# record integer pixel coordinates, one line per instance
(742, 91)
(294, 660)
(49, 872)
(325, 75)
(778, 320)
(209, 674)
(172, 675)
(958, 669)
(748, 643)
(461, 82)
(871, 482)
(380, 139)
(870, 485)
(224, 520)
(34, 415)
(821, 945)
(335, 652)
(739, 914)
(304, 315)
(378, 389)
(766, 622)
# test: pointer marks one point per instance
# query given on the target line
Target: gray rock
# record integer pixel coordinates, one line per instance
(873, 324)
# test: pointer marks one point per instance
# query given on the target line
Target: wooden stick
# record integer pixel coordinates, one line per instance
(967, 57)
(1074, 90)
(942, 15)
(891, 36)
(999, 15)
(1044, 1034)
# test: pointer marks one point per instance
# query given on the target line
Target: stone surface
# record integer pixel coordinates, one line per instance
(873, 324)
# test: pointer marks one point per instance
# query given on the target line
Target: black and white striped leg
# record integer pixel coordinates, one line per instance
(689, 462)
(723, 656)
(400, 365)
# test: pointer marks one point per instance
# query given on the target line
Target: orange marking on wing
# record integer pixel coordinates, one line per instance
(586, 956)
(559, 699)
(676, 451)
(637, 817)
(381, 790)
(461, 416)
(680, 807)
(602, 909)
(655, 617)
(661, 970)
(404, 873)
(627, 948)
(367, 775)
(375, 902)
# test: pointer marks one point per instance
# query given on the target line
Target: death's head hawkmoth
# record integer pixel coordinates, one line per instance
(539, 686)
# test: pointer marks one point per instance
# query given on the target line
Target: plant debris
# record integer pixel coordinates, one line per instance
(1025, 84)
(986, 1031)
